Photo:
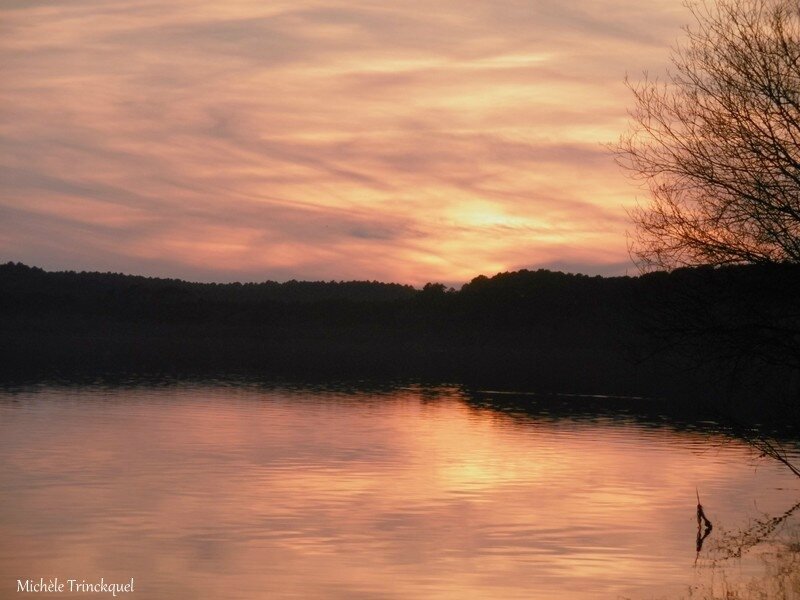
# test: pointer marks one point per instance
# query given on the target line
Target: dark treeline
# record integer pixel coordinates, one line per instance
(703, 333)
(26, 285)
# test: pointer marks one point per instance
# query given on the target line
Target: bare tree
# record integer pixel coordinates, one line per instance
(717, 141)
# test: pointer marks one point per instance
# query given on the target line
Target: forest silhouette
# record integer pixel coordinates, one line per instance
(728, 336)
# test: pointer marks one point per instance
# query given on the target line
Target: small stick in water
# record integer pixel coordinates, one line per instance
(701, 516)
(701, 520)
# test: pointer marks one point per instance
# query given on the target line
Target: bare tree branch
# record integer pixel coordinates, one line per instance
(718, 141)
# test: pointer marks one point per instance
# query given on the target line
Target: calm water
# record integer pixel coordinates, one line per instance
(222, 491)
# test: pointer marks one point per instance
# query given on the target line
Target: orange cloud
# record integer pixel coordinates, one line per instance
(313, 140)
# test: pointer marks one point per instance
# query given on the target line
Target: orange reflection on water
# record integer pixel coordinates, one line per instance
(209, 492)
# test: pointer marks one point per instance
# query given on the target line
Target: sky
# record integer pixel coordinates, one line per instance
(406, 141)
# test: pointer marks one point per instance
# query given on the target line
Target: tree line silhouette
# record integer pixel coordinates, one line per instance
(731, 331)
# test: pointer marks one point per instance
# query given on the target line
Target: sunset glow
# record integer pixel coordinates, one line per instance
(360, 494)
(345, 139)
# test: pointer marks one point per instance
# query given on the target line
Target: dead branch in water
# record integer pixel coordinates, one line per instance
(734, 544)
(702, 521)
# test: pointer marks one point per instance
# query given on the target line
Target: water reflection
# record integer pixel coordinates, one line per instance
(252, 491)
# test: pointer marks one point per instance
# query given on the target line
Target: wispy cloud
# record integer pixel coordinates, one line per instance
(349, 139)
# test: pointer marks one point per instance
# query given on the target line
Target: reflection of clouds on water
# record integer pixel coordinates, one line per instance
(763, 531)
(771, 546)
(772, 571)
(206, 492)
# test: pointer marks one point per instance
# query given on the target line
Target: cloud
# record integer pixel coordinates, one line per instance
(349, 139)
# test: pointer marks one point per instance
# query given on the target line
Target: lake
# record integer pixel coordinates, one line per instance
(259, 490)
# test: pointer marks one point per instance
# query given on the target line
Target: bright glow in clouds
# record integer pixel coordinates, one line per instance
(251, 140)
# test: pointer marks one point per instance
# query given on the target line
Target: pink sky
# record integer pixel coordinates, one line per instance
(248, 140)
